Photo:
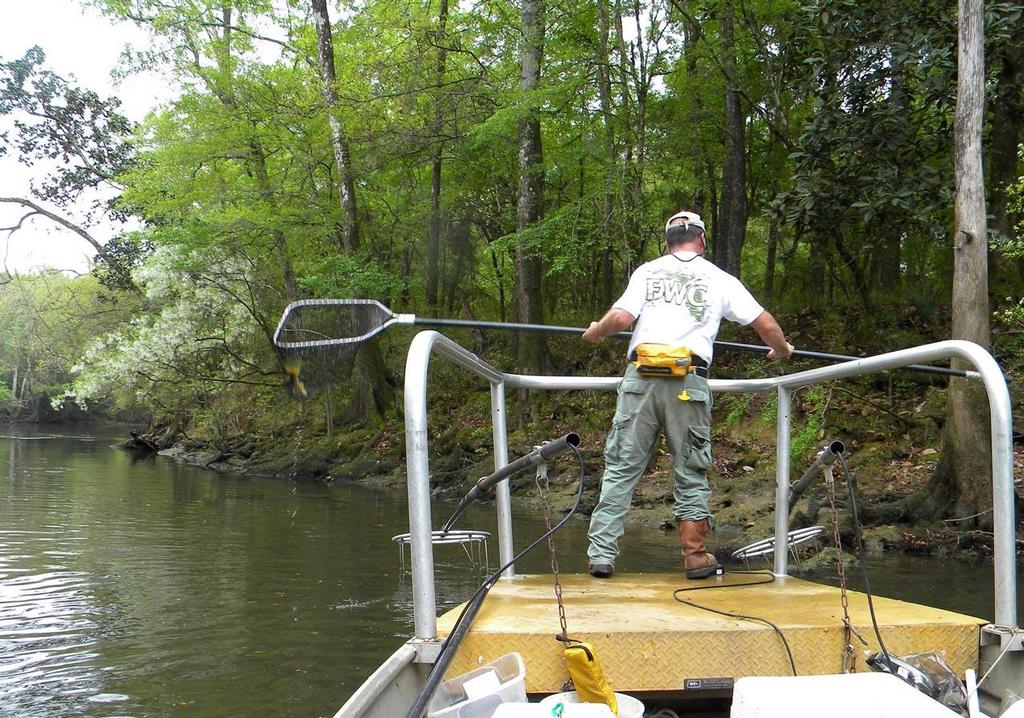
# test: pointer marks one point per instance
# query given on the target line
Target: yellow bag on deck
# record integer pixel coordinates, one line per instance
(587, 676)
(662, 360)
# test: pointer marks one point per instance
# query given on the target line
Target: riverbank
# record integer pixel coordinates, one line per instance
(893, 440)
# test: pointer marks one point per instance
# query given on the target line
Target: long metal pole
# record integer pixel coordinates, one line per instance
(499, 432)
(412, 319)
(418, 466)
(782, 416)
(719, 345)
(418, 482)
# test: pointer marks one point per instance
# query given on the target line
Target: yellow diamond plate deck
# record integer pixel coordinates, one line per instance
(648, 641)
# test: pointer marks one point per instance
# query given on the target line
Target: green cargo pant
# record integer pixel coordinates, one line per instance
(645, 407)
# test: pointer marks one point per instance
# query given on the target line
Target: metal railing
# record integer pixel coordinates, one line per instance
(429, 342)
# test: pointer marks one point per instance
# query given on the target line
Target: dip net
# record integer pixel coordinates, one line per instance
(318, 339)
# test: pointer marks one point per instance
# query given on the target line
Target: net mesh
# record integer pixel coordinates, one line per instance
(317, 340)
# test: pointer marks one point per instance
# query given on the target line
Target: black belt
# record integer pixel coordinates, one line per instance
(701, 371)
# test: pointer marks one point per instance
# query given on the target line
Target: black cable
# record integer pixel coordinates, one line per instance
(472, 607)
(864, 573)
(778, 631)
(863, 567)
(771, 579)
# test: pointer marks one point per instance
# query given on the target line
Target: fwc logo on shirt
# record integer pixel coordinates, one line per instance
(680, 289)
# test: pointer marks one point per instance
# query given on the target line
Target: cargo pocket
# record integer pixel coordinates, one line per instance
(698, 389)
(699, 458)
(631, 396)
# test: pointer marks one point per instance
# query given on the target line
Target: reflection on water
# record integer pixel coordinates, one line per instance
(154, 589)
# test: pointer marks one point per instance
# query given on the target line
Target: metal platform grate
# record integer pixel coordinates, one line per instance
(648, 641)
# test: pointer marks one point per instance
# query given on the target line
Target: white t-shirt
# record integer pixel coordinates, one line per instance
(680, 299)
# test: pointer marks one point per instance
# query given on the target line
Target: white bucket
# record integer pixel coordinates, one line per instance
(629, 707)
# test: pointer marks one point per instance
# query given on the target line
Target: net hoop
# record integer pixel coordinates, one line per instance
(320, 303)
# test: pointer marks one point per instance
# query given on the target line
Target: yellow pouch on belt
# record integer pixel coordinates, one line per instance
(587, 676)
(662, 360)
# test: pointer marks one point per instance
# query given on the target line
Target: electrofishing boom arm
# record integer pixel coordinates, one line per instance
(541, 455)
(826, 458)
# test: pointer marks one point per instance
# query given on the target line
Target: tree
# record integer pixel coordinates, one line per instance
(437, 124)
(85, 134)
(203, 335)
(47, 321)
(530, 207)
(872, 159)
(966, 467)
(1007, 111)
(339, 142)
(732, 222)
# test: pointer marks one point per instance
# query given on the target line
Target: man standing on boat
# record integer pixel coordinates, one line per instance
(678, 302)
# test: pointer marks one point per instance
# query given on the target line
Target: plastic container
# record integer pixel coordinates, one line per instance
(850, 695)
(477, 694)
(522, 710)
(629, 707)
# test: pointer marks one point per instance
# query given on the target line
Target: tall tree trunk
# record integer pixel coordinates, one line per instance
(641, 71)
(966, 468)
(14, 389)
(1006, 121)
(222, 86)
(604, 88)
(860, 282)
(733, 221)
(632, 229)
(259, 163)
(434, 235)
(374, 394)
(339, 142)
(532, 348)
(769, 266)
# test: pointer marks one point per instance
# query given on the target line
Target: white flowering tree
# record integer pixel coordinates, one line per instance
(205, 332)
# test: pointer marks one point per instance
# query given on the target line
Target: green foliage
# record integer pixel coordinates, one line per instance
(738, 405)
(770, 412)
(199, 336)
(1014, 248)
(342, 275)
(848, 157)
(56, 120)
(870, 168)
(1009, 322)
(46, 322)
(805, 436)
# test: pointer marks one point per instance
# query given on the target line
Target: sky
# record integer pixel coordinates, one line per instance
(87, 45)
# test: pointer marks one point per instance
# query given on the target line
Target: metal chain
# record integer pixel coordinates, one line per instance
(848, 662)
(542, 489)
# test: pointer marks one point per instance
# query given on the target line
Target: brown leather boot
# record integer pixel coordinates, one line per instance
(696, 559)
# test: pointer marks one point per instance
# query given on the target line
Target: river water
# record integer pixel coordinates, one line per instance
(151, 588)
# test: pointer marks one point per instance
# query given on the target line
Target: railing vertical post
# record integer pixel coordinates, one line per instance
(782, 483)
(418, 471)
(1004, 522)
(503, 494)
